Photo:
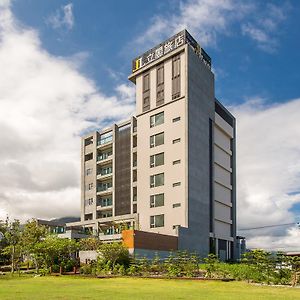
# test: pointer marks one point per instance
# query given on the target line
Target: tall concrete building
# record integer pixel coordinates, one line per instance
(170, 169)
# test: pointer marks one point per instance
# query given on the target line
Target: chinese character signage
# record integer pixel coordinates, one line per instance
(168, 46)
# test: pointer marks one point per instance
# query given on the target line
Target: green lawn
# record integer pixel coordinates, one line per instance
(68, 287)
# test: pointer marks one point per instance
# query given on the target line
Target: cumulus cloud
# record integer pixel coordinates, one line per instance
(62, 18)
(45, 105)
(268, 176)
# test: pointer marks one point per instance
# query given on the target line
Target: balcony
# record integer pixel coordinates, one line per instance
(105, 173)
(104, 189)
(104, 214)
(104, 203)
(104, 157)
(107, 140)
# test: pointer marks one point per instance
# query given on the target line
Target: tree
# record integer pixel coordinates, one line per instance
(32, 234)
(12, 236)
(53, 250)
(89, 244)
(114, 252)
(4, 258)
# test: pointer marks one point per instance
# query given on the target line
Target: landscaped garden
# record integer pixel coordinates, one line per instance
(30, 255)
(75, 287)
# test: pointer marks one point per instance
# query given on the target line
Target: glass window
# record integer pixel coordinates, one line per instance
(88, 156)
(90, 186)
(157, 221)
(146, 82)
(105, 138)
(176, 162)
(157, 119)
(157, 200)
(176, 77)
(104, 202)
(89, 171)
(156, 160)
(160, 85)
(176, 119)
(157, 180)
(146, 92)
(88, 141)
(89, 201)
(176, 205)
(176, 141)
(176, 184)
(157, 139)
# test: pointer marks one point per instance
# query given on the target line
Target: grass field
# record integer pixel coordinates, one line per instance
(137, 288)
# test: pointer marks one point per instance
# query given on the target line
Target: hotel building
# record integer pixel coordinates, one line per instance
(168, 171)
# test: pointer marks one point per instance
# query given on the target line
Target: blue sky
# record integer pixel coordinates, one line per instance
(64, 68)
(107, 30)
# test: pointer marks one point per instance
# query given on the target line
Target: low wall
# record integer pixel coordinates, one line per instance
(136, 239)
(87, 256)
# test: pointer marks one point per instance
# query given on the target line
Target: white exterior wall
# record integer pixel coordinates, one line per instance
(223, 133)
(172, 173)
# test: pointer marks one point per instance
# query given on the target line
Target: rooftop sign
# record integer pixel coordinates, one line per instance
(179, 39)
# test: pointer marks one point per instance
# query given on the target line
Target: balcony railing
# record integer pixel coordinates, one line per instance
(104, 156)
(104, 203)
(105, 140)
(104, 172)
(103, 188)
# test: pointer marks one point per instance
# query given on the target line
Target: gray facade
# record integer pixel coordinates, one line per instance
(170, 169)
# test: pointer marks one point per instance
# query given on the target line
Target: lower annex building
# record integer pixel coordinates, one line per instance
(168, 172)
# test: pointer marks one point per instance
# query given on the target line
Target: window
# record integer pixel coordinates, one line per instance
(157, 221)
(88, 217)
(160, 85)
(176, 77)
(105, 171)
(105, 138)
(88, 171)
(157, 119)
(134, 208)
(103, 202)
(176, 119)
(157, 180)
(176, 162)
(176, 141)
(157, 200)
(104, 155)
(104, 186)
(90, 186)
(88, 156)
(89, 201)
(88, 141)
(157, 160)
(156, 140)
(104, 214)
(146, 92)
(176, 184)
(176, 205)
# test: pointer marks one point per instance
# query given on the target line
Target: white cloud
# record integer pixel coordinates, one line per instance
(45, 104)
(264, 28)
(63, 17)
(204, 18)
(268, 164)
(207, 19)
